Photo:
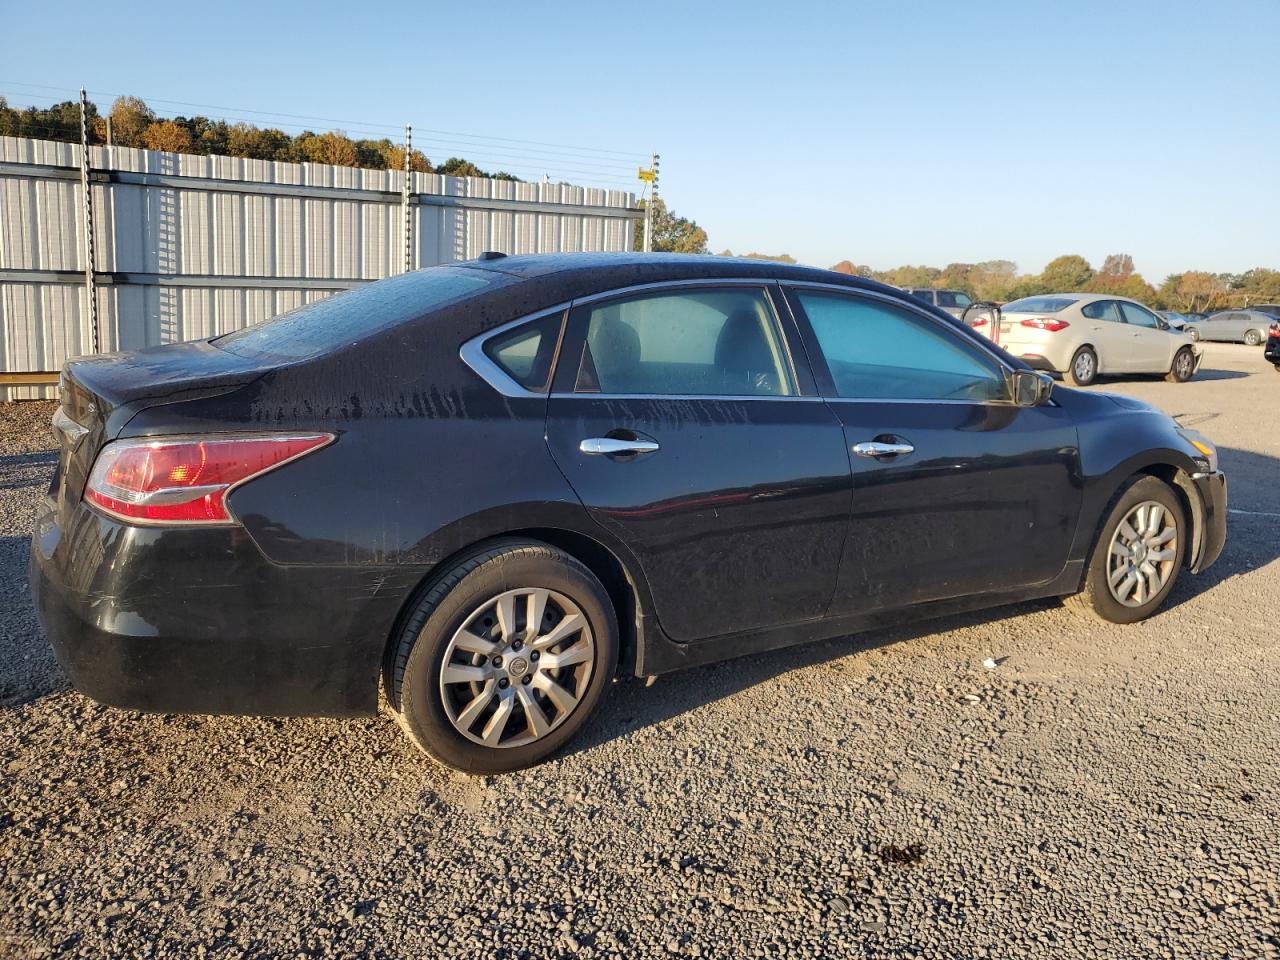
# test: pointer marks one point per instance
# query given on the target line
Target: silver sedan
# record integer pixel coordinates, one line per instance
(1233, 326)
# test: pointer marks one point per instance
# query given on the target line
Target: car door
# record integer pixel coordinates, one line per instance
(1109, 335)
(687, 421)
(1150, 346)
(956, 490)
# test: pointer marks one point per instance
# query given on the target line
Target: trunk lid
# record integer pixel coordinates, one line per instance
(99, 395)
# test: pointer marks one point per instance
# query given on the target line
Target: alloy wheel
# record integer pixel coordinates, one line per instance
(517, 667)
(1083, 366)
(1143, 553)
(1182, 365)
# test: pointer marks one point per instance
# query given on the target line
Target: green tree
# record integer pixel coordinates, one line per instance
(671, 233)
(1066, 274)
(246, 140)
(457, 167)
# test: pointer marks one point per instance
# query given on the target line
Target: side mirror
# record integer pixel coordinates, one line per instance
(1030, 388)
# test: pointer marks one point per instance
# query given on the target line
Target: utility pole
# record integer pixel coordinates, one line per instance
(405, 209)
(649, 176)
(90, 291)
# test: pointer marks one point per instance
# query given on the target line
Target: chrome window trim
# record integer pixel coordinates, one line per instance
(679, 396)
(473, 355)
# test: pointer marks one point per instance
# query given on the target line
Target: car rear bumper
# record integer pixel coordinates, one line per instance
(197, 620)
(1272, 350)
(1212, 488)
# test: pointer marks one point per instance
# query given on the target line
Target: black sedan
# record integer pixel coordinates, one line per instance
(486, 489)
(1272, 348)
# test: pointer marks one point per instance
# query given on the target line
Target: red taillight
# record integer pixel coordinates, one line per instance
(1274, 329)
(185, 480)
(978, 323)
(1045, 323)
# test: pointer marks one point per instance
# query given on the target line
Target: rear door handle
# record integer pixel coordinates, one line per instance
(878, 450)
(604, 446)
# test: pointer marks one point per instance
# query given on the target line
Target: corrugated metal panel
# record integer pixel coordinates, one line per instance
(220, 231)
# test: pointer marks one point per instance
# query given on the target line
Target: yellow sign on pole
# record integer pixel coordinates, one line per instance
(648, 176)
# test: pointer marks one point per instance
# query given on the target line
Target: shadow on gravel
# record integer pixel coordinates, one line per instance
(1206, 374)
(631, 705)
(28, 669)
(21, 470)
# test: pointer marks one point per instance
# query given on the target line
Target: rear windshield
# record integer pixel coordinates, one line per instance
(1038, 305)
(346, 318)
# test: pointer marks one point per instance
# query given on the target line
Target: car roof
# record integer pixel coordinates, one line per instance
(1090, 297)
(593, 272)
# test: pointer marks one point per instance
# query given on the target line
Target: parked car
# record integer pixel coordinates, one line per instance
(952, 301)
(1272, 349)
(1085, 335)
(1232, 326)
(484, 488)
(1176, 321)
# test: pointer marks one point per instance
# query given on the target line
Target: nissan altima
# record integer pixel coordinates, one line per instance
(481, 492)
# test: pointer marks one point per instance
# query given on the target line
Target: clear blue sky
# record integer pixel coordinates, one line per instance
(885, 133)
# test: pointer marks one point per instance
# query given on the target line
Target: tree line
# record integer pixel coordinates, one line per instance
(998, 280)
(131, 123)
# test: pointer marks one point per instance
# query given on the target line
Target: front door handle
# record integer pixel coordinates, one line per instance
(597, 446)
(879, 451)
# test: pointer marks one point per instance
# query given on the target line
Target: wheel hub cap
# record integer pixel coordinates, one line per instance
(1142, 554)
(517, 667)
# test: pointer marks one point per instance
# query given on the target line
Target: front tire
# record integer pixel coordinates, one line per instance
(1183, 366)
(1083, 369)
(504, 658)
(1252, 338)
(1138, 553)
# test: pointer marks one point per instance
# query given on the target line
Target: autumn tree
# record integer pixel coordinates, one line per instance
(334, 147)
(130, 117)
(246, 140)
(168, 136)
(1117, 265)
(1193, 291)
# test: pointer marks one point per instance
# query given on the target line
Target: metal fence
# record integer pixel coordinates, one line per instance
(195, 246)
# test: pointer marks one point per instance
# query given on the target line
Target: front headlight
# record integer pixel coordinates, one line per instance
(1208, 459)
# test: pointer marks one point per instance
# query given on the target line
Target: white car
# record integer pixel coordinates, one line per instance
(1084, 335)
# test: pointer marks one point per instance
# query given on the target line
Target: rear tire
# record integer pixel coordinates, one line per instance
(1129, 577)
(472, 679)
(1083, 368)
(1252, 338)
(1183, 366)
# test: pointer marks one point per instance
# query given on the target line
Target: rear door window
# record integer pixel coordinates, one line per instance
(1102, 310)
(698, 342)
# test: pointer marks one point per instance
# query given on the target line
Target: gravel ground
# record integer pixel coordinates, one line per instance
(1102, 792)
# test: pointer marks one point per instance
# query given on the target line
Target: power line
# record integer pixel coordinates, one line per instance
(363, 124)
(529, 163)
